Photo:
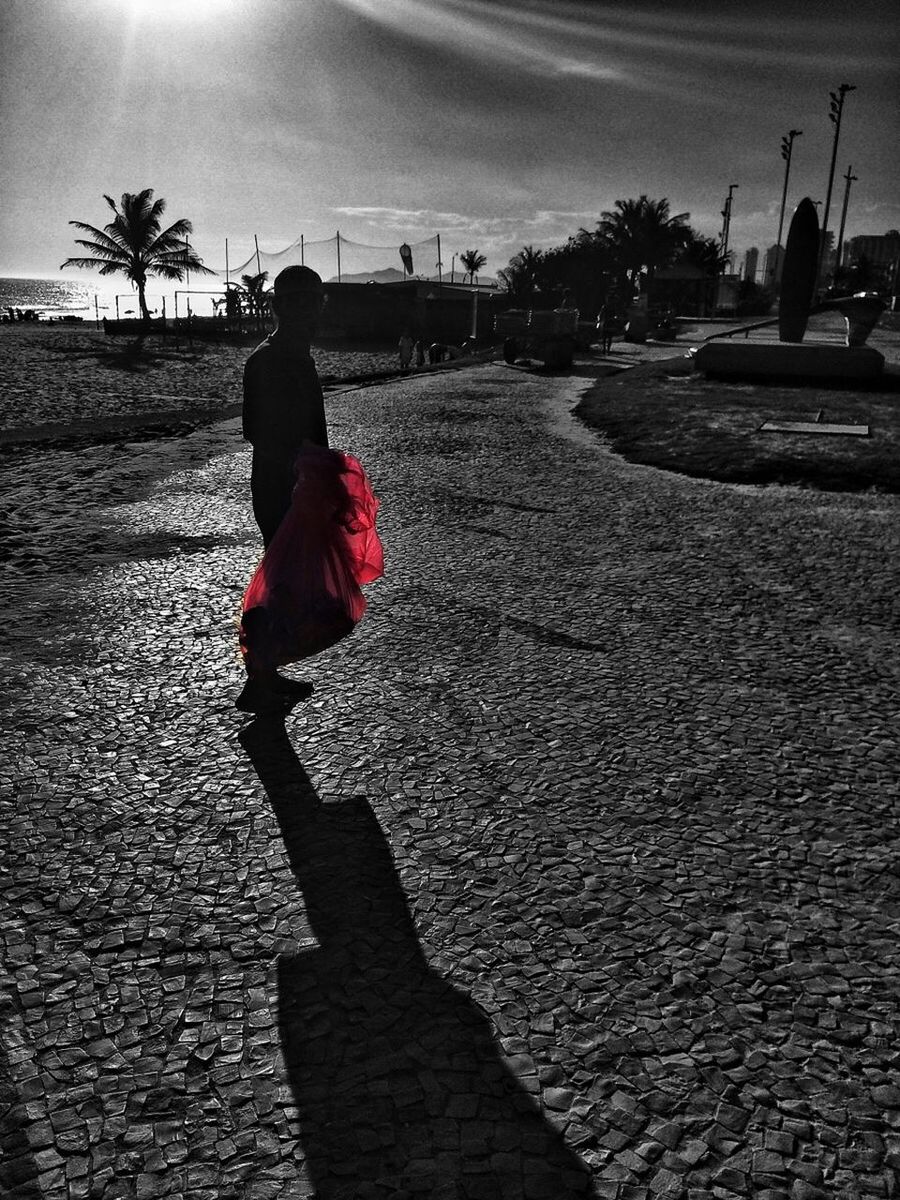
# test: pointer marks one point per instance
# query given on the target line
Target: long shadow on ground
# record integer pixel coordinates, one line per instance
(395, 1073)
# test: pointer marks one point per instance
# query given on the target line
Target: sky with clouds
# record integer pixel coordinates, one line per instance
(496, 123)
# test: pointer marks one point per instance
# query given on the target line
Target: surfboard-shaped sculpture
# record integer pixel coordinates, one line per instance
(798, 274)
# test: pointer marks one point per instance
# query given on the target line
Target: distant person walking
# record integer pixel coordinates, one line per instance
(406, 347)
(606, 327)
(419, 349)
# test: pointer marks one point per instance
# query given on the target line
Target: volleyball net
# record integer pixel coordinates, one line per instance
(339, 259)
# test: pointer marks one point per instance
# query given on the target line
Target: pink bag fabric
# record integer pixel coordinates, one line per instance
(305, 594)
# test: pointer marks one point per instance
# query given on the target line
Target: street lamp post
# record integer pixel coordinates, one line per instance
(787, 149)
(850, 178)
(835, 114)
(726, 229)
(726, 220)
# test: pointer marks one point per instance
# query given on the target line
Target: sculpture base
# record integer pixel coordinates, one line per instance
(787, 361)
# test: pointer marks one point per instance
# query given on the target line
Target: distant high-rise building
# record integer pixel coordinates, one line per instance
(772, 265)
(751, 261)
(881, 250)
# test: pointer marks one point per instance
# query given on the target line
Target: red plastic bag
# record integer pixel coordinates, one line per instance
(305, 594)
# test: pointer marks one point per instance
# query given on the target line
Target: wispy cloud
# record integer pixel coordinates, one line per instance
(403, 218)
(433, 219)
(725, 33)
(499, 34)
(647, 49)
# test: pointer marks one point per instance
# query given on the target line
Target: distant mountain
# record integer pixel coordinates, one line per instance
(385, 275)
(392, 275)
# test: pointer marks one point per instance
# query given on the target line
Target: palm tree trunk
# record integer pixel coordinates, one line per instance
(142, 302)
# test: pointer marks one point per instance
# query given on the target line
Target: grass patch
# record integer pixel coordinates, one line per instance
(663, 414)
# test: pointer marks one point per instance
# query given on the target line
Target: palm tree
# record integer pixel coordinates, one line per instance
(522, 276)
(257, 299)
(472, 261)
(134, 245)
(705, 253)
(642, 235)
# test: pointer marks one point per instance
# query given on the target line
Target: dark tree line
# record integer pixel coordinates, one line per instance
(606, 265)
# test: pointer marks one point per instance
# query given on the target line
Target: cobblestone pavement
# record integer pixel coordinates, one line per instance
(576, 876)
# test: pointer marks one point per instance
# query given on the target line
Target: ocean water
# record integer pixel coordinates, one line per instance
(50, 297)
(92, 299)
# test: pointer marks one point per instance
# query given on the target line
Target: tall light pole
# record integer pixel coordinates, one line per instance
(723, 236)
(834, 116)
(726, 220)
(787, 149)
(850, 178)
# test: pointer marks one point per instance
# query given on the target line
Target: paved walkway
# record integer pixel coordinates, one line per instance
(577, 875)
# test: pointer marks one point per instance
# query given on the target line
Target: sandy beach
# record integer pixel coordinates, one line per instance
(58, 380)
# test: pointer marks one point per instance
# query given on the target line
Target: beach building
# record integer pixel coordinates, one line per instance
(684, 288)
(881, 250)
(727, 292)
(432, 310)
(751, 263)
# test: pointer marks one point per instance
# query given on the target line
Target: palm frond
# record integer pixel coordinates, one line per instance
(106, 266)
(100, 234)
(137, 223)
(157, 209)
(117, 233)
(104, 252)
(167, 245)
(101, 243)
(181, 229)
(180, 258)
(167, 271)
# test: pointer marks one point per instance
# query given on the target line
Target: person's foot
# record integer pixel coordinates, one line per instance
(257, 697)
(295, 689)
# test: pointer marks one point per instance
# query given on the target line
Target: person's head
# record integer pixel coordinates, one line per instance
(297, 298)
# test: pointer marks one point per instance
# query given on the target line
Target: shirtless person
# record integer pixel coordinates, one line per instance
(283, 408)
